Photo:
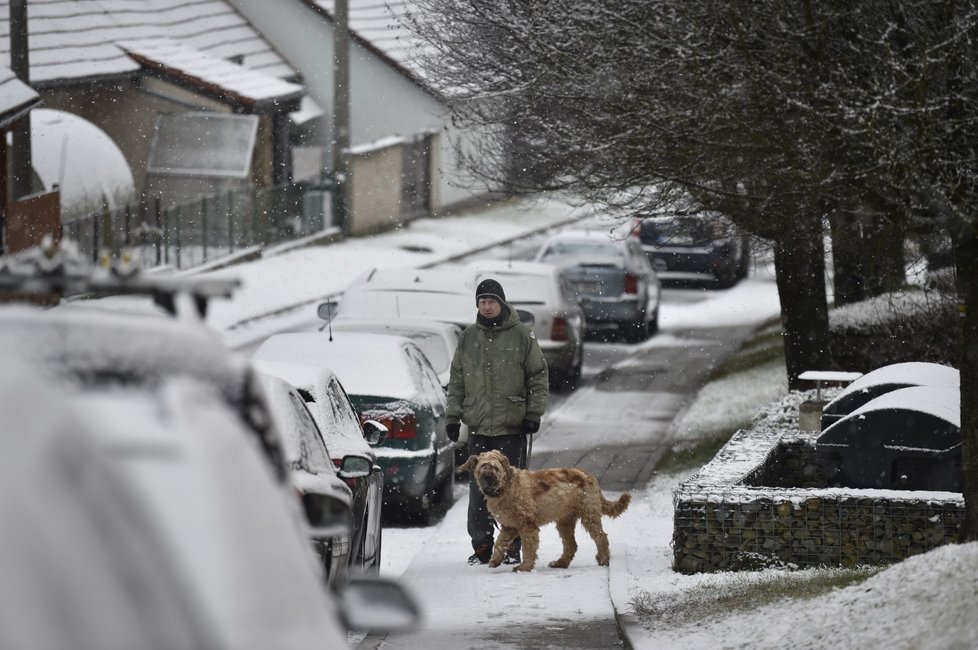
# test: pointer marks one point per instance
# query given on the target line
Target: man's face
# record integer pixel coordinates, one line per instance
(489, 307)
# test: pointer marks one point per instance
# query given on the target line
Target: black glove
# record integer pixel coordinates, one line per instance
(530, 426)
(453, 429)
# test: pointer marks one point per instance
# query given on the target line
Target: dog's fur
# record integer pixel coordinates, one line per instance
(522, 500)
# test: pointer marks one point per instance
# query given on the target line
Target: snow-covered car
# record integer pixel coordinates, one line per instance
(327, 500)
(695, 247)
(558, 319)
(389, 379)
(437, 339)
(611, 277)
(344, 438)
(145, 516)
(84, 348)
(425, 294)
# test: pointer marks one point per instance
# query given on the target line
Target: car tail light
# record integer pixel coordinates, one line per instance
(631, 284)
(560, 330)
(399, 427)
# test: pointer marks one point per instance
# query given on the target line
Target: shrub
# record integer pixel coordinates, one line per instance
(910, 325)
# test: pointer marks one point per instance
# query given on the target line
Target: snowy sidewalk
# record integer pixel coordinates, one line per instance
(478, 607)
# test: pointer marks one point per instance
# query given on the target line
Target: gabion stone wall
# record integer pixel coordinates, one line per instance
(766, 500)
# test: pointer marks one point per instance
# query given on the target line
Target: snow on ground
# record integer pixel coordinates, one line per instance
(924, 602)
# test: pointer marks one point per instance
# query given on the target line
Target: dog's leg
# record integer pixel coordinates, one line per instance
(592, 524)
(566, 529)
(530, 535)
(506, 536)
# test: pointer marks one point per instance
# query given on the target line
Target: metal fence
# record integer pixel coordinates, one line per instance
(206, 229)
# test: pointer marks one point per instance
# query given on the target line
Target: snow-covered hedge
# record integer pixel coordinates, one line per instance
(913, 325)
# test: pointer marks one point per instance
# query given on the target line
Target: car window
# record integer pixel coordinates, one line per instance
(433, 346)
(345, 417)
(422, 370)
(581, 247)
(315, 455)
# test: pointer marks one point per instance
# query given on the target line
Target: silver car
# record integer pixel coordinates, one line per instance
(558, 319)
(611, 277)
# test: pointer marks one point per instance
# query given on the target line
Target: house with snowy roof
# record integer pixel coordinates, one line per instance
(398, 121)
(137, 93)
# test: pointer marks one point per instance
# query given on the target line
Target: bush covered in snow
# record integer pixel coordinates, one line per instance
(911, 325)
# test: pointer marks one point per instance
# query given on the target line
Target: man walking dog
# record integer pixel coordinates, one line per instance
(499, 386)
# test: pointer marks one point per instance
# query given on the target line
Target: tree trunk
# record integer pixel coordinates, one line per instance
(847, 259)
(966, 262)
(799, 262)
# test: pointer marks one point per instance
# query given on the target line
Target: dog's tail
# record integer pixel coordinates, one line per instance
(615, 508)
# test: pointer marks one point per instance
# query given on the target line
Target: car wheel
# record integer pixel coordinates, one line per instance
(727, 277)
(654, 322)
(635, 331)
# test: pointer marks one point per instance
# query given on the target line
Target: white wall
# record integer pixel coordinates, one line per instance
(383, 103)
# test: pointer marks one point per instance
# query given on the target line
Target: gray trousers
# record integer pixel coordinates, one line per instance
(481, 523)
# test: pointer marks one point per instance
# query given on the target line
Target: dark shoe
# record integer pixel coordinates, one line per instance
(482, 554)
(512, 556)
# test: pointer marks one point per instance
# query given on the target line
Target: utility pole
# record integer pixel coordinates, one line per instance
(20, 168)
(341, 112)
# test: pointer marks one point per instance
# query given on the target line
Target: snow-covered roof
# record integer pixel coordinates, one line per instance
(77, 39)
(16, 97)
(916, 373)
(381, 26)
(212, 75)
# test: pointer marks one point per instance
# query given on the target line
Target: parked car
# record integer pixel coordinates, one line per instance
(425, 294)
(162, 467)
(695, 247)
(437, 339)
(389, 379)
(326, 498)
(344, 437)
(612, 278)
(558, 319)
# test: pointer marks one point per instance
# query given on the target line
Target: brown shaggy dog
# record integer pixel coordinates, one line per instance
(522, 500)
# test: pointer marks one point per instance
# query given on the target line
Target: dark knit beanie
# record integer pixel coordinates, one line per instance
(491, 289)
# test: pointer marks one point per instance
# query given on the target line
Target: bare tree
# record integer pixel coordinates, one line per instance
(779, 114)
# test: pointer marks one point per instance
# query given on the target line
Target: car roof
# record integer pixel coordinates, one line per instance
(504, 268)
(366, 363)
(400, 279)
(154, 489)
(90, 345)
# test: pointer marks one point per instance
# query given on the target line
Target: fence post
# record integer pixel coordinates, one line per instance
(128, 225)
(157, 201)
(95, 238)
(179, 239)
(254, 216)
(203, 227)
(230, 213)
(166, 237)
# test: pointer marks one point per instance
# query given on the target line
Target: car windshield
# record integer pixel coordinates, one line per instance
(524, 288)
(676, 231)
(580, 248)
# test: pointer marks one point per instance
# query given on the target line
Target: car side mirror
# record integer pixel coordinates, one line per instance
(526, 317)
(374, 432)
(353, 466)
(377, 605)
(327, 310)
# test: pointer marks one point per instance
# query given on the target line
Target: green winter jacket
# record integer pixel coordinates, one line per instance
(498, 378)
